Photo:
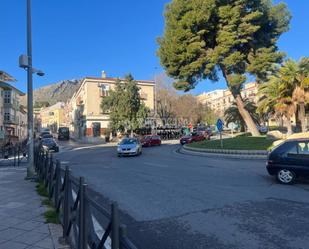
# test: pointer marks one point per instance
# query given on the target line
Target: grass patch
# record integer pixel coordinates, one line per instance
(236, 143)
(40, 188)
(51, 216)
(47, 202)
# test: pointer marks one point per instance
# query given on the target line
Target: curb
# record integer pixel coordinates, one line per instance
(56, 235)
(238, 154)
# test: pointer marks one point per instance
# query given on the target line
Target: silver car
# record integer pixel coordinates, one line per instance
(129, 147)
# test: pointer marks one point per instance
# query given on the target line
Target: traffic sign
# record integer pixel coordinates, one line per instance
(219, 125)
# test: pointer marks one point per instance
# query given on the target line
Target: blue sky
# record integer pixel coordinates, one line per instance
(78, 38)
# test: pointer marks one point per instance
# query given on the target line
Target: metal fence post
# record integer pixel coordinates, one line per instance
(46, 164)
(115, 226)
(18, 151)
(82, 236)
(57, 182)
(14, 154)
(66, 207)
(51, 175)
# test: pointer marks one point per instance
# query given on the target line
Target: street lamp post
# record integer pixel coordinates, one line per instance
(25, 61)
(30, 168)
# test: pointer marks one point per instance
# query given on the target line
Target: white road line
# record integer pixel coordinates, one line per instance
(156, 165)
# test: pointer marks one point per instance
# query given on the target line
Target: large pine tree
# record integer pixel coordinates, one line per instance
(235, 37)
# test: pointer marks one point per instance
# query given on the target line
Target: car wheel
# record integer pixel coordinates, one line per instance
(119, 155)
(286, 176)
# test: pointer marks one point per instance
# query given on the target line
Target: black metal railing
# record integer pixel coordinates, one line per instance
(86, 224)
(13, 154)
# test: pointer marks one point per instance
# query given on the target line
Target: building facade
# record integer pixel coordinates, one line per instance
(85, 117)
(220, 100)
(52, 117)
(13, 119)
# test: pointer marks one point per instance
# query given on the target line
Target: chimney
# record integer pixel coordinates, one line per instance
(103, 74)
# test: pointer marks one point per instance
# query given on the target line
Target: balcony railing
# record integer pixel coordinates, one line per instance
(10, 119)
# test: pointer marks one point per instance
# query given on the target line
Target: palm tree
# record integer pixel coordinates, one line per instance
(287, 92)
(232, 114)
(295, 85)
(274, 101)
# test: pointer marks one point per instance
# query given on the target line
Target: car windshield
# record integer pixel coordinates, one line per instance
(48, 141)
(128, 141)
(63, 129)
(47, 136)
(147, 137)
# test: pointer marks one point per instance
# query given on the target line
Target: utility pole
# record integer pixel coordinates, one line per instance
(30, 168)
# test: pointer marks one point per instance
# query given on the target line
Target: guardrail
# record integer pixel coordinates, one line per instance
(86, 224)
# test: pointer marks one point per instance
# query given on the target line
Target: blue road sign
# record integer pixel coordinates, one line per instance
(219, 125)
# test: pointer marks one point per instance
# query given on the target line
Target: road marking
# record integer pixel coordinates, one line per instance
(156, 165)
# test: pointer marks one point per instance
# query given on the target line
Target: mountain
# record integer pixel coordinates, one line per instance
(56, 92)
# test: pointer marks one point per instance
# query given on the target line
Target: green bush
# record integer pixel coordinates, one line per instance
(278, 128)
(51, 216)
(40, 188)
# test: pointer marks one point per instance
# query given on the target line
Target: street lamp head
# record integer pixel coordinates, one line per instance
(40, 73)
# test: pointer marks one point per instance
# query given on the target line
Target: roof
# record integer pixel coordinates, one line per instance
(7, 86)
(6, 77)
(58, 105)
(115, 79)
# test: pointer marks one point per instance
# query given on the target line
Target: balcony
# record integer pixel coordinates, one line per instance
(10, 119)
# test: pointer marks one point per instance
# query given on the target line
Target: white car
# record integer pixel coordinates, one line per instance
(129, 147)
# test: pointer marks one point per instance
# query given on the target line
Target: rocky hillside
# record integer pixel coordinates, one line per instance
(53, 93)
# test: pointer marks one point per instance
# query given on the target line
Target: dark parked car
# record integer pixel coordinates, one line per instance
(49, 144)
(151, 140)
(44, 133)
(193, 137)
(289, 160)
(47, 136)
(63, 133)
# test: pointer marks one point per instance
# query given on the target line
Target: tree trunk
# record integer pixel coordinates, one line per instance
(289, 126)
(246, 116)
(302, 117)
(241, 107)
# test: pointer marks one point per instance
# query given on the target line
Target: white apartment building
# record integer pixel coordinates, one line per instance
(221, 99)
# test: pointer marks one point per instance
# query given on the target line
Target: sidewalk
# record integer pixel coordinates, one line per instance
(22, 222)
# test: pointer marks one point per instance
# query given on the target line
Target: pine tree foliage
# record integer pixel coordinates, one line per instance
(124, 106)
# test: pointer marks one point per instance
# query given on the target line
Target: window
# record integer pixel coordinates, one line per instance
(7, 97)
(143, 95)
(299, 148)
(104, 88)
(6, 116)
(303, 148)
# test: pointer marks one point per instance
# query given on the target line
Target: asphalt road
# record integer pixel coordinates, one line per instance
(175, 201)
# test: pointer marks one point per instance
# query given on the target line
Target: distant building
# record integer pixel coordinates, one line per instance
(22, 125)
(220, 100)
(13, 120)
(85, 117)
(52, 117)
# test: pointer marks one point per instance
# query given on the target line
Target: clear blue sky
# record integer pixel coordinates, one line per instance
(78, 38)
